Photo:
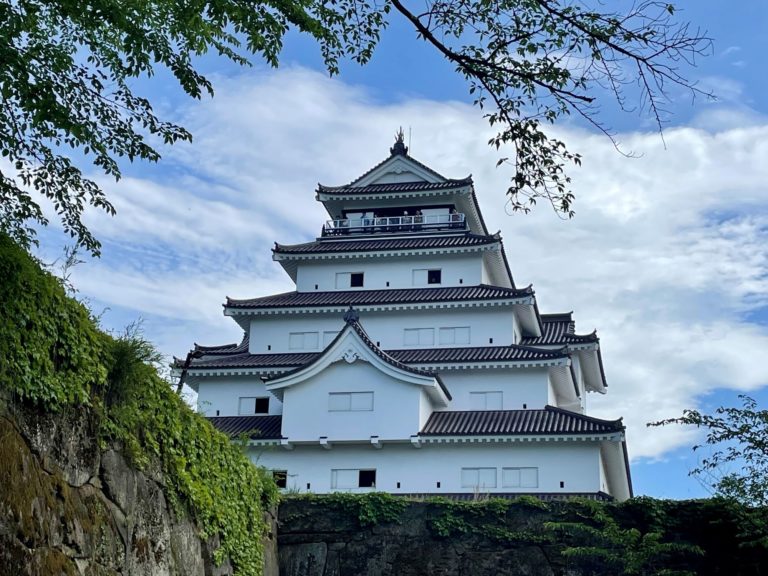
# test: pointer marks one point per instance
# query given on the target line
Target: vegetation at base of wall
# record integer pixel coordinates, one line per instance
(595, 542)
(490, 517)
(56, 358)
(368, 509)
(640, 537)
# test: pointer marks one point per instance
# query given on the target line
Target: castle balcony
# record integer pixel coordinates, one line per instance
(387, 224)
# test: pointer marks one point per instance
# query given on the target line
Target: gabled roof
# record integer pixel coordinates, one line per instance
(481, 292)
(559, 329)
(423, 377)
(259, 427)
(394, 187)
(549, 421)
(383, 244)
(398, 151)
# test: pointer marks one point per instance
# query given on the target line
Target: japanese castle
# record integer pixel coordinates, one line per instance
(408, 361)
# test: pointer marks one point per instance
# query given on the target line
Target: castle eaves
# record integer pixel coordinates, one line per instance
(548, 421)
(479, 293)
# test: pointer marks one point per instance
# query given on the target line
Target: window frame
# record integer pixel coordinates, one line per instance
(485, 394)
(519, 470)
(350, 397)
(479, 470)
(431, 276)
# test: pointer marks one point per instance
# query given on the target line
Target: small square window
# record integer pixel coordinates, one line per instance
(367, 479)
(356, 279)
(262, 405)
(280, 477)
(434, 276)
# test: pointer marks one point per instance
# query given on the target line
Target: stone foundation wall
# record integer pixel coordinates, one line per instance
(69, 508)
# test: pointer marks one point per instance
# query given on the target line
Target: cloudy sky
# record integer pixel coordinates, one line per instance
(667, 255)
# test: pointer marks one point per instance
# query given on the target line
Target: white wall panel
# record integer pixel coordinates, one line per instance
(390, 272)
(576, 464)
(222, 394)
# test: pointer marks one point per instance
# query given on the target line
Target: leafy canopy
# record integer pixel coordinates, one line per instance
(67, 68)
(740, 438)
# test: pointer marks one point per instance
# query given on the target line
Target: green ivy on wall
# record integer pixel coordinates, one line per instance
(56, 358)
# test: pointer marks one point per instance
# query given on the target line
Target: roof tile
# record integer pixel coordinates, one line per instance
(325, 246)
(550, 420)
(379, 297)
(261, 427)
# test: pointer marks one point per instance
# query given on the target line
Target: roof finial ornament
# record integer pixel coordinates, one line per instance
(351, 315)
(399, 149)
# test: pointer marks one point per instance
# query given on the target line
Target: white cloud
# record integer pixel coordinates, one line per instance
(666, 256)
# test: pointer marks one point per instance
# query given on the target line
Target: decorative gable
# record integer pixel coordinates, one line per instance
(352, 345)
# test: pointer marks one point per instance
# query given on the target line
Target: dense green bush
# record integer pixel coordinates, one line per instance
(55, 357)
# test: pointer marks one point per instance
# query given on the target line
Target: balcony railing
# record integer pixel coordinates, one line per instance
(394, 224)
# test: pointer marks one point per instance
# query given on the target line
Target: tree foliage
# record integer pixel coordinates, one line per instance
(67, 96)
(739, 437)
(597, 544)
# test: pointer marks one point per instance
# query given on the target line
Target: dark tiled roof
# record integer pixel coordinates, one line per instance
(322, 246)
(558, 329)
(417, 356)
(261, 427)
(224, 349)
(379, 297)
(548, 421)
(285, 360)
(479, 354)
(393, 187)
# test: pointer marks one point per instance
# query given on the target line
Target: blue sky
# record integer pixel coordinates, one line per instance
(667, 255)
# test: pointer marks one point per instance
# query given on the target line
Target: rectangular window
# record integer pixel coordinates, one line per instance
(246, 406)
(452, 336)
(253, 405)
(520, 477)
(350, 401)
(341, 479)
(280, 477)
(367, 479)
(419, 337)
(352, 478)
(478, 478)
(434, 276)
(262, 405)
(303, 341)
(349, 280)
(486, 400)
(343, 279)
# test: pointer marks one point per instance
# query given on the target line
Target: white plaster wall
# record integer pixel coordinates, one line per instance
(425, 409)
(551, 396)
(519, 386)
(395, 414)
(270, 333)
(418, 470)
(395, 270)
(603, 477)
(222, 394)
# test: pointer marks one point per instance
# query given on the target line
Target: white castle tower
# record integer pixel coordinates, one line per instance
(407, 361)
